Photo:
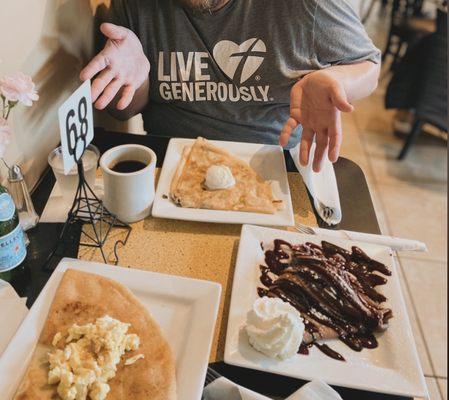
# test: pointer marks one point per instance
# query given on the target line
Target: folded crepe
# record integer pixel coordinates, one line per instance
(250, 192)
(334, 289)
(82, 298)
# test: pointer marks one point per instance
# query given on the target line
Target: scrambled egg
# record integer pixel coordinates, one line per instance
(90, 357)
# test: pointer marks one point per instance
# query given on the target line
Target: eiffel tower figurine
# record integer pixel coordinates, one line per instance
(89, 214)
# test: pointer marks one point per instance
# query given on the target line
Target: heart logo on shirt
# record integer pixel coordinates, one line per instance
(240, 61)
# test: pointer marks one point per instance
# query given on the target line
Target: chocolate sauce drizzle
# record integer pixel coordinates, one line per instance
(332, 288)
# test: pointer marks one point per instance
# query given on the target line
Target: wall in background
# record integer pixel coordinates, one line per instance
(50, 40)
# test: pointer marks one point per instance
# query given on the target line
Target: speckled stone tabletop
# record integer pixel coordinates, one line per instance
(194, 249)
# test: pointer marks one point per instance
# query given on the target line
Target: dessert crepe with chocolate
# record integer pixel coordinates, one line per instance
(80, 299)
(250, 192)
(332, 288)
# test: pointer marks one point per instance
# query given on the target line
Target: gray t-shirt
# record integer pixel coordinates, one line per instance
(228, 74)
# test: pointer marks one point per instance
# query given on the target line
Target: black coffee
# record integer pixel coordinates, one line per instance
(128, 166)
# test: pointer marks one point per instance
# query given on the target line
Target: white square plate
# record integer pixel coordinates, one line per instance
(267, 160)
(391, 368)
(185, 309)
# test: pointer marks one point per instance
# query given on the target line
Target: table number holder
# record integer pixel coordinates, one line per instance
(88, 210)
(88, 214)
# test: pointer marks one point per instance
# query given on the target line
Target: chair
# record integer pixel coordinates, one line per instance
(431, 97)
(406, 27)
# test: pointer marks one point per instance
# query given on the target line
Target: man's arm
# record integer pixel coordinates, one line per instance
(316, 102)
(347, 69)
(359, 80)
(121, 72)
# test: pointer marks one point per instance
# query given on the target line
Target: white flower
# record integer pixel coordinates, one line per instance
(18, 87)
(5, 135)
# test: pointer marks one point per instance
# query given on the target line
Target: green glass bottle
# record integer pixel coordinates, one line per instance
(12, 238)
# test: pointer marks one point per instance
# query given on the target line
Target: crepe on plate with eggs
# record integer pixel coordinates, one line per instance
(82, 298)
(250, 192)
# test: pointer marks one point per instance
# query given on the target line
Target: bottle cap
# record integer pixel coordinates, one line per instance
(15, 174)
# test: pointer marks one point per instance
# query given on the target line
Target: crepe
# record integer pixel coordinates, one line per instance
(334, 289)
(250, 192)
(81, 298)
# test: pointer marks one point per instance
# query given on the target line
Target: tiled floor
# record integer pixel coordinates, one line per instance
(410, 199)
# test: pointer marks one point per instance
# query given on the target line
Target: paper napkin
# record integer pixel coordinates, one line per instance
(322, 185)
(315, 390)
(12, 312)
(224, 389)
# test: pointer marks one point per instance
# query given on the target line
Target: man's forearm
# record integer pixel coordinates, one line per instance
(359, 80)
(138, 103)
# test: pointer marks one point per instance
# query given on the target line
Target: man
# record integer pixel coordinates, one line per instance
(243, 70)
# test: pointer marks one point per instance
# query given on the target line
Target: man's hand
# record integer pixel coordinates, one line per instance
(121, 65)
(316, 102)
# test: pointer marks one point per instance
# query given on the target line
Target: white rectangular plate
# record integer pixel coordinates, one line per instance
(267, 160)
(391, 368)
(185, 309)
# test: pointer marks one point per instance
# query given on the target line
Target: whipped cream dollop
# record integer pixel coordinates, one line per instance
(275, 328)
(219, 177)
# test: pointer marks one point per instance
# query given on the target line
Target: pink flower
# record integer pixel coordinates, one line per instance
(5, 135)
(18, 87)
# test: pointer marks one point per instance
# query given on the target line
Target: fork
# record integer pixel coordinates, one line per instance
(305, 229)
(211, 376)
(326, 211)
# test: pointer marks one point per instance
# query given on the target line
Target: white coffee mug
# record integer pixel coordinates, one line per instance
(129, 195)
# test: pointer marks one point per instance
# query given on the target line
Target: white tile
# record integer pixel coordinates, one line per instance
(417, 211)
(425, 163)
(443, 387)
(378, 207)
(370, 114)
(434, 392)
(417, 332)
(427, 282)
(352, 146)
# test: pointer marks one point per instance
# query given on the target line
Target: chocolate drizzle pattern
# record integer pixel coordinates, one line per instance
(333, 289)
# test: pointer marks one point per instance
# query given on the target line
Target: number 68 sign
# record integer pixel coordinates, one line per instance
(76, 125)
